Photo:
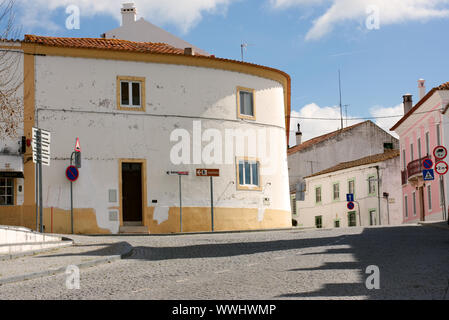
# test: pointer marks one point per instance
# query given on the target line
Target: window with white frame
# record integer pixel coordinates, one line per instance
(6, 192)
(248, 171)
(372, 185)
(318, 194)
(246, 105)
(336, 191)
(351, 186)
(131, 93)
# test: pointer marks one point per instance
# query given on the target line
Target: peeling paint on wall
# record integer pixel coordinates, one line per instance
(260, 214)
(161, 214)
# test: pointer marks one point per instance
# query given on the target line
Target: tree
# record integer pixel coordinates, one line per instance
(11, 79)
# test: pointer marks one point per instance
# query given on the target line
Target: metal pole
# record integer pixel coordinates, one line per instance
(212, 201)
(180, 203)
(360, 216)
(40, 198)
(36, 189)
(71, 197)
(388, 211)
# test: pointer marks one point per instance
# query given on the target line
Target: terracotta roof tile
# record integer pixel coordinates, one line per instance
(360, 162)
(316, 140)
(444, 86)
(101, 43)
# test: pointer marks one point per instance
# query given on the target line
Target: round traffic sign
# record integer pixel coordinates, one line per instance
(427, 163)
(441, 167)
(72, 173)
(440, 152)
(351, 205)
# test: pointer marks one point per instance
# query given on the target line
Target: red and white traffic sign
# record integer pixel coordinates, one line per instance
(77, 145)
(441, 167)
(207, 172)
(440, 152)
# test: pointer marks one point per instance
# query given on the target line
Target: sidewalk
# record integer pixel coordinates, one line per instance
(86, 252)
(436, 224)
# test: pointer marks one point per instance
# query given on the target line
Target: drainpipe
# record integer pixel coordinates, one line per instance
(378, 194)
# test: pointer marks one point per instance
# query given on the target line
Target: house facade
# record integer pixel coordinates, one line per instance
(323, 152)
(374, 182)
(140, 111)
(420, 131)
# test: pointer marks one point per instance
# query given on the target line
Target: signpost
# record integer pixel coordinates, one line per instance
(441, 168)
(179, 174)
(72, 173)
(41, 156)
(210, 173)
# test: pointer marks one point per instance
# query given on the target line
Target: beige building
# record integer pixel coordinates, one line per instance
(374, 181)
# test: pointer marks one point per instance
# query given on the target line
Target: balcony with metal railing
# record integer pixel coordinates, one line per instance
(415, 168)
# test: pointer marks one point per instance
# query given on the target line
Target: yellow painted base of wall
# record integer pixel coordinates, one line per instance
(225, 219)
(84, 220)
(193, 220)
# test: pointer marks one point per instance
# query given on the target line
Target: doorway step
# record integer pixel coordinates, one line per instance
(134, 229)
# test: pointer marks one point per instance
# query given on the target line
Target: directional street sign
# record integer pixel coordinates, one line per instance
(427, 164)
(351, 205)
(441, 168)
(428, 175)
(41, 146)
(207, 172)
(178, 173)
(440, 152)
(72, 173)
(350, 197)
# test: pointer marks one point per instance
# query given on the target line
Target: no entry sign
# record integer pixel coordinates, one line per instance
(72, 173)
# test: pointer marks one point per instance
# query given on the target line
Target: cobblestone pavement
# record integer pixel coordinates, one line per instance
(317, 264)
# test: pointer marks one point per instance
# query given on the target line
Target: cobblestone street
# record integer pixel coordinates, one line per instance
(295, 264)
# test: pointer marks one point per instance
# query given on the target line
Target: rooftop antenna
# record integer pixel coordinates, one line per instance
(346, 113)
(339, 86)
(244, 47)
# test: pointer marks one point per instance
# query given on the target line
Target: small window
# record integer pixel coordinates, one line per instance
(414, 203)
(411, 153)
(319, 222)
(427, 143)
(248, 173)
(131, 93)
(336, 191)
(318, 195)
(419, 148)
(388, 146)
(351, 186)
(6, 192)
(406, 205)
(372, 185)
(246, 105)
(429, 196)
(337, 223)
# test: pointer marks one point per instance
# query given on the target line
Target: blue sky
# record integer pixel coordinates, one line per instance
(309, 39)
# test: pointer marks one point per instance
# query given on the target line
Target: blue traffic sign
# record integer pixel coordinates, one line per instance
(72, 173)
(427, 164)
(428, 175)
(350, 197)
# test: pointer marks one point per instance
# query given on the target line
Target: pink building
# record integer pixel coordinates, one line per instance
(420, 131)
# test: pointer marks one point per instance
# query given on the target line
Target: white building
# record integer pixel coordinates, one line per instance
(143, 31)
(133, 106)
(374, 181)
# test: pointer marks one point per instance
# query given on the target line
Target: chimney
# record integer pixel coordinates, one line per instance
(408, 102)
(189, 51)
(129, 13)
(421, 88)
(298, 135)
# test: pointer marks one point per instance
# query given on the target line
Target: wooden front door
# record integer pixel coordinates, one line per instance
(132, 192)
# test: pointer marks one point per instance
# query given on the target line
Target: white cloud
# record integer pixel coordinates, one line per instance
(388, 123)
(183, 14)
(390, 12)
(312, 128)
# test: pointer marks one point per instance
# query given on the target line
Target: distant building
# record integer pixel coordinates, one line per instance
(320, 153)
(144, 31)
(375, 183)
(420, 131)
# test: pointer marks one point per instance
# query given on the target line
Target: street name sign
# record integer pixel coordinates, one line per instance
(41, 146)
(207, 172)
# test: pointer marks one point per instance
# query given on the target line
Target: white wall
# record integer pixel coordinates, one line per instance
(175, 97)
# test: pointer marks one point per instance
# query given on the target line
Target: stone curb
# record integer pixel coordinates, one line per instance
(126, 253)
(64, 244)
(195, 233)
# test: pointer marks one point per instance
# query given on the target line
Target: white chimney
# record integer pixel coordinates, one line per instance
(422, 88)
(129, 13)
(298, 136)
